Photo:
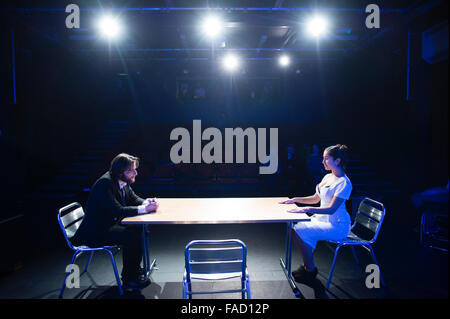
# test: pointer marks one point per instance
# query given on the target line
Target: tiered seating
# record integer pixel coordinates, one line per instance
(164, 174)
(203, 174)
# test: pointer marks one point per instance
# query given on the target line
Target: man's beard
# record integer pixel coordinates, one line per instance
(126, 180)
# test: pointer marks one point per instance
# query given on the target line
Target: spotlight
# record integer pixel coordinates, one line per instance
(109, 27)
(212, 26)
(230, 62)
(284, 60)
(317, 26)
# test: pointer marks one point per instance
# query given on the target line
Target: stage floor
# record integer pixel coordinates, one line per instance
(410, 271)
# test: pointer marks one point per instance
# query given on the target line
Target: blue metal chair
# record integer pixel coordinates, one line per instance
(70, 218)
(369, 216)
(216, 260)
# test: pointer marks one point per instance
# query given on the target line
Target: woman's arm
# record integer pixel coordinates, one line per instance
(336, 202)
(310, 200)
(314, 199)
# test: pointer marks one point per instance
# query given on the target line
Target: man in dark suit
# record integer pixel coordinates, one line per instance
(111, 199)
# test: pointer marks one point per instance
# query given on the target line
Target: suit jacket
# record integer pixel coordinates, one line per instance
(105, 209)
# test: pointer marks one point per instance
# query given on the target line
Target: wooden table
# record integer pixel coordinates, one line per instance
(220, 211)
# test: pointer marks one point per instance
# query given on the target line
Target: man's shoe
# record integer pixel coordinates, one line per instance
(305, 276)
(136, 284)
(142, 273)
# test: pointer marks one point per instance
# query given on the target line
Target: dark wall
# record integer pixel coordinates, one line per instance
(64, 102)
(405, 138)
(10, 161)
(58, 110)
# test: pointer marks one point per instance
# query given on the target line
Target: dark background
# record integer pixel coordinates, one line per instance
(67, 100)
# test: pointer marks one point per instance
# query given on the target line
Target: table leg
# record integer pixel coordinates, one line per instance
(289, 247)
(286, 265)
(148, 267)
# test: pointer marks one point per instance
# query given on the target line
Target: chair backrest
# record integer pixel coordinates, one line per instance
(70, 218)
(215, 257)
(370, 215)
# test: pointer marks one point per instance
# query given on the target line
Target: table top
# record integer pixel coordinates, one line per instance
(219, 211)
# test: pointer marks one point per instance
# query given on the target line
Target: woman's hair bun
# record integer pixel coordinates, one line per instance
(338, 151)
(343, 148)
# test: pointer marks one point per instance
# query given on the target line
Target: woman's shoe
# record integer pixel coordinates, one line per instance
(305, 276)
(298, 270)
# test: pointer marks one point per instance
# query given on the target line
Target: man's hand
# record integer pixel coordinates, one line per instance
(151, 207)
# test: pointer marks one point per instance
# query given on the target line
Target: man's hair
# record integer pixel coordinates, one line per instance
(121, 163)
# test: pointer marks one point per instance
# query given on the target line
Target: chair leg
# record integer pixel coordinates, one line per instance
(113, 261)
(184, 289)
(354, 254)
(332, 266)
(189, 289)
(376, 262)
(249, 295)
(67, 274)
(89, 259)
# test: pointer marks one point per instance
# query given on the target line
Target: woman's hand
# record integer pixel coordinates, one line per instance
(301, 210)
(289, 201)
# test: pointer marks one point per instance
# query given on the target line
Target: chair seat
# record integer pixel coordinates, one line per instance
(216, 276)
(351, 239)
(86, 248)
